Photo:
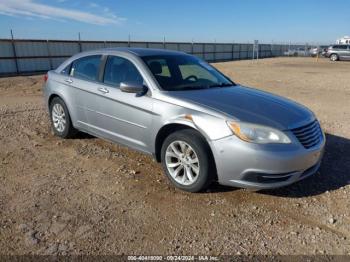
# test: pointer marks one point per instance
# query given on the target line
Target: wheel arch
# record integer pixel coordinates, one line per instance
(52, 96)
(170, 128)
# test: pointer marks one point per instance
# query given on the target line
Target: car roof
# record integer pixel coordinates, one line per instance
(140, 52)
(144, 51)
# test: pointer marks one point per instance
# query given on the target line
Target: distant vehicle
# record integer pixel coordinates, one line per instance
(301, 51)
(338, 52)
(343, 40)
(315, 51)
(319, 50)
(194, 120)
(324, 51)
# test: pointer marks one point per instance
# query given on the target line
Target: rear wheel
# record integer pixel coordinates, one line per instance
(334, 57)
(187, 160)
(60, 119)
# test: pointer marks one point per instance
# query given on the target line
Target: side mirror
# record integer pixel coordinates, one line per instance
(132, 87)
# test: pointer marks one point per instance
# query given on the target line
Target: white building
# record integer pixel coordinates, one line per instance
(343, 40)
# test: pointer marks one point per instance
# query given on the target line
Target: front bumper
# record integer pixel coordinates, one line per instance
(256, 166)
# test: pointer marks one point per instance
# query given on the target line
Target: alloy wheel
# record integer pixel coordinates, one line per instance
(182, 162)
(334, 57)
(58, 118)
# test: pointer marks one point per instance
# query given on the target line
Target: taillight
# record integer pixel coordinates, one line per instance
(46, 76)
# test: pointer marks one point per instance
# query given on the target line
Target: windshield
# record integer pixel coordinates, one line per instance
(184, 72)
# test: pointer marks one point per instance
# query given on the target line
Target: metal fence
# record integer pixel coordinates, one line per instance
(23, 56)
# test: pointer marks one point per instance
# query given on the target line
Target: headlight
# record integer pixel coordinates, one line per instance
(258, 134)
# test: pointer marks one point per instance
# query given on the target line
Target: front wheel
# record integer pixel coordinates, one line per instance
(187, 160)
(334, 57)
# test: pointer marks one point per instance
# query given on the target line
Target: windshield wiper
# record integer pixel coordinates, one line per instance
(194, 87)
(221, 85)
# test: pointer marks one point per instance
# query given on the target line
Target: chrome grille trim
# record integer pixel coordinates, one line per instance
(309, 135)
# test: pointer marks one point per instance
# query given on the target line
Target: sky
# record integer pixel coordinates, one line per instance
(269, 21)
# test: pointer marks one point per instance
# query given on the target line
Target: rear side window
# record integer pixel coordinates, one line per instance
(341, 47)
(66, 70)
(86, 68)
(118, 70)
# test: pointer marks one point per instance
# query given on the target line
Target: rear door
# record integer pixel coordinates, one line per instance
(83, 79)
(342, 51)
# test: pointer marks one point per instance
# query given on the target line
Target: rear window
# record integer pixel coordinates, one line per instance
(86, 68)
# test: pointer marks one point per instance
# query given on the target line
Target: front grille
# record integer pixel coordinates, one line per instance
(309, 135)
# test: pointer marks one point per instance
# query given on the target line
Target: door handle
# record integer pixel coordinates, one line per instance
(68, 80)
(103, 90)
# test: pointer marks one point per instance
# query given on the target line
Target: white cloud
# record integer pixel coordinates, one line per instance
(29, 8)
(94, 5)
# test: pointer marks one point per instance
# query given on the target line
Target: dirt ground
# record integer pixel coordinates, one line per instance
(89, 196)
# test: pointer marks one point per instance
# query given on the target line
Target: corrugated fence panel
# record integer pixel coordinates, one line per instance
(219, 48)
(236, 47)
(185, 48)
(56, 62)
(209, 56)
(223, 48)
(33, 64)
(236, 55)
(244, 54)
(198, 48)
(223, 56)
(92, 46)
(171, 46)
(6, 49)
(31, 48)
(201, 56)
(156, 45)
(49, 54)
(209, 48)
(7, 66)
(63, 48)
(117, 44)
(244, 47)
(139, 45)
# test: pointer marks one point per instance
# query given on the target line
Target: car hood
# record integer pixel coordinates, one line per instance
(249, 105)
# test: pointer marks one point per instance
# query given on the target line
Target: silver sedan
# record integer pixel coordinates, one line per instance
(197, 122)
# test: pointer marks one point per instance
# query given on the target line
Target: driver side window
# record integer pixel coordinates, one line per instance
(118, 70)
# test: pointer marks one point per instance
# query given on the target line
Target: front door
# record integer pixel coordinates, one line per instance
(116, 115)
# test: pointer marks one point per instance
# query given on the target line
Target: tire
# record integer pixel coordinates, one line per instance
(59, 114)
(195, 147)
(334, 57)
